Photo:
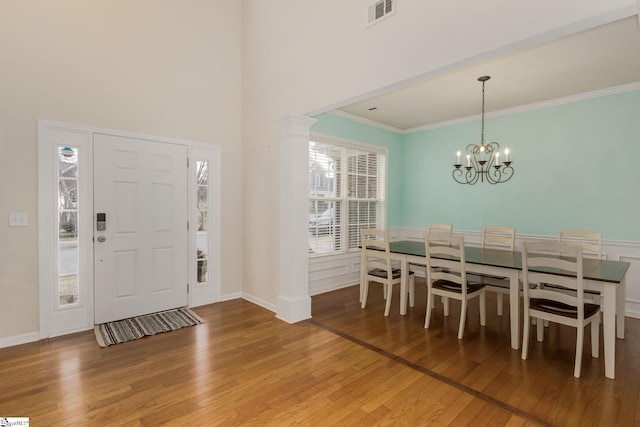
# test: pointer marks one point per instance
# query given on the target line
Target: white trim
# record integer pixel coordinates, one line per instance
(348, 143)
(364, 121)
(231, 296)
(55, 320)
(294, 302)
(19, 339)
(530, 107)
(262, 303)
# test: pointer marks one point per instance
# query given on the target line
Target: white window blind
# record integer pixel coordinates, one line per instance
(347, 192)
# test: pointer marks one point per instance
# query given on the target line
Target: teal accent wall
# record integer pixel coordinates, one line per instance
(331, 125)
(577, 166)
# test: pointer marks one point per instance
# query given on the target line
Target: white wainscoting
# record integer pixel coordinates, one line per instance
(329, 273)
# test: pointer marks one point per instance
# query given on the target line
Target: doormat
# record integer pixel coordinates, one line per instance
(148, 324)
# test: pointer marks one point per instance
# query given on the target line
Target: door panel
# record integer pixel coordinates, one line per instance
(141, 257)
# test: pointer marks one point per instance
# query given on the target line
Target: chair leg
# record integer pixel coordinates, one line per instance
(579, 346)
(387, 306)
(499, 303)
(365, 293)
(427, 318)
(595, 336)
(525, 335)
(385, 289)
(483, 308)
(540, 328)
(463, 317)
(445, 301)
(412, 290)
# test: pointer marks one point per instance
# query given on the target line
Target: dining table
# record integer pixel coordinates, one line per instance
(604, 276)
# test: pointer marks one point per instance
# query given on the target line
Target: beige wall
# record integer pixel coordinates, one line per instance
(306, 56)
(160, 67)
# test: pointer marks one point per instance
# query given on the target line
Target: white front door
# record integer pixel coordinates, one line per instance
(140, 190)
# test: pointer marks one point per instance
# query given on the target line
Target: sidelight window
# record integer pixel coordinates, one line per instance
(68, 243)
(202, 231)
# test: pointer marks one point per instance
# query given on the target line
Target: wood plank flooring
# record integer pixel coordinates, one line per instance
(346, 366)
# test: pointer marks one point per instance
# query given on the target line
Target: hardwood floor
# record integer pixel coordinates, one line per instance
(346, 366)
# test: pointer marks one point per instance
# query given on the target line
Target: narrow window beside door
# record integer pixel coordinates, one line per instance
(202, 232)
(68, 243)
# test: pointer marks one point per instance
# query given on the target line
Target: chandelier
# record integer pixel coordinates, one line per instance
(483, 160)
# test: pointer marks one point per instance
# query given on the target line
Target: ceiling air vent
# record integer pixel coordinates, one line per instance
(380, 10)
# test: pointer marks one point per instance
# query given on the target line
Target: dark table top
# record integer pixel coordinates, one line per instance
(592, 269)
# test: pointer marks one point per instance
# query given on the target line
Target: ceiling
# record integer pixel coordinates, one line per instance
(600, 58)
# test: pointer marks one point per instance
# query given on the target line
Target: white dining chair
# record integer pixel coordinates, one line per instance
(379, 268)
(440, 228)
(447, 277)
(591, 244)
(501, 238)
(550, 303)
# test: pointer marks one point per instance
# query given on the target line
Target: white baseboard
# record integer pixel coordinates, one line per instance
(19, 339)
(229, 297)
(260, 302)
(293, 310)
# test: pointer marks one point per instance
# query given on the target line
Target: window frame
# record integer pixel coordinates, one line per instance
(344, 199)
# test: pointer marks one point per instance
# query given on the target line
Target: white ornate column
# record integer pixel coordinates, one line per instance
(294, 302)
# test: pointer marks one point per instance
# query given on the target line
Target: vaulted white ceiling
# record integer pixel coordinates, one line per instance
(598, 59)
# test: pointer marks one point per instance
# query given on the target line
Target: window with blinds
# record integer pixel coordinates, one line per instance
(347, 192)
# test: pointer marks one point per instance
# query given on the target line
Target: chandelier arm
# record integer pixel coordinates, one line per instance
(469, 175)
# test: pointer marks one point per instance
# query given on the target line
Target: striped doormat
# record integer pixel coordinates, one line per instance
(149, 324)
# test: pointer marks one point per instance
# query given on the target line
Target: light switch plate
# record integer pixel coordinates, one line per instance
(18, 219)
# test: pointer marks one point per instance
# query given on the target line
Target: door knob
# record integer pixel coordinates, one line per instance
(101, 239)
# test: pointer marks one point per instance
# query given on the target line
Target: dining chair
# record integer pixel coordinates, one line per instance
(550, 303)
(447, 277)
(440, 228)
(379, 268)
(501, 238)
(591, 244)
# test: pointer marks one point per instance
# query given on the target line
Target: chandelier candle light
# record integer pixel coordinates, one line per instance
(483, 160)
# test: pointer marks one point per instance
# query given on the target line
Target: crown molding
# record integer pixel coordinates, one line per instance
(364, 121)
(515, 110)
(530, 107)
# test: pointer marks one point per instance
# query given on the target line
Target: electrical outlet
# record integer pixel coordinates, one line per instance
(18, 219)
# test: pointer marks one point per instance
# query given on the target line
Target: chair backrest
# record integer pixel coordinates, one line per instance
(445, 259)
(503, 238)
(565, 259)
(439, 228)
(375, 244)
(590, 241)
